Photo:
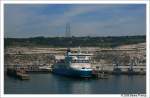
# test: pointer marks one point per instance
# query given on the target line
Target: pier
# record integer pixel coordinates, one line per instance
(99, 72)
(18, 73)
(119, 70)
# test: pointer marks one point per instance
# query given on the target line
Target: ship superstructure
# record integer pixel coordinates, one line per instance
(74, 64)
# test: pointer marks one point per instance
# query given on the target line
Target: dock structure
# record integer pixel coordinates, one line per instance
(23, 76)
(32, 67)
(99, 73)
(116, 70)
(136, 70)
(18, 73)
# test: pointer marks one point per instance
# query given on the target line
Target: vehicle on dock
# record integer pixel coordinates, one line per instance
(74, 65)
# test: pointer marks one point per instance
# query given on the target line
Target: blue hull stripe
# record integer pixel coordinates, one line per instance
(72, 72)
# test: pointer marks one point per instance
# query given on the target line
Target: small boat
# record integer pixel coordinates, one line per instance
(18, 73)
(100, 74)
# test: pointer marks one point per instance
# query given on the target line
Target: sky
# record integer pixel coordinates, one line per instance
(49, 20)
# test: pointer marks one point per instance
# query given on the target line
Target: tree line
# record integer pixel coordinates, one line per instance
(108, 42)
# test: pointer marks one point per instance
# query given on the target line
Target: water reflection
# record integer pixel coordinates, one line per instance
(54, 84)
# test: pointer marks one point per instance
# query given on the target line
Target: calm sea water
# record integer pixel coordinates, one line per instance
(54, 84)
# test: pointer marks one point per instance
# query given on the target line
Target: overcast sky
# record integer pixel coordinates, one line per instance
(22, 20)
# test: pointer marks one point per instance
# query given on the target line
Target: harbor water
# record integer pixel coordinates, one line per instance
(47, 83)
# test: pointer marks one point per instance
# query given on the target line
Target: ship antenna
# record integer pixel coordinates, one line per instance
(68, 35)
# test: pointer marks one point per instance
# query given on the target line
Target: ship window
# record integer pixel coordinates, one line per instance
(83, 67)
(87, 61)
(61, 61)
(74, 61)
(80, 61)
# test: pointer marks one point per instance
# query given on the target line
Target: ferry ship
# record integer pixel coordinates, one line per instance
(74, 65)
